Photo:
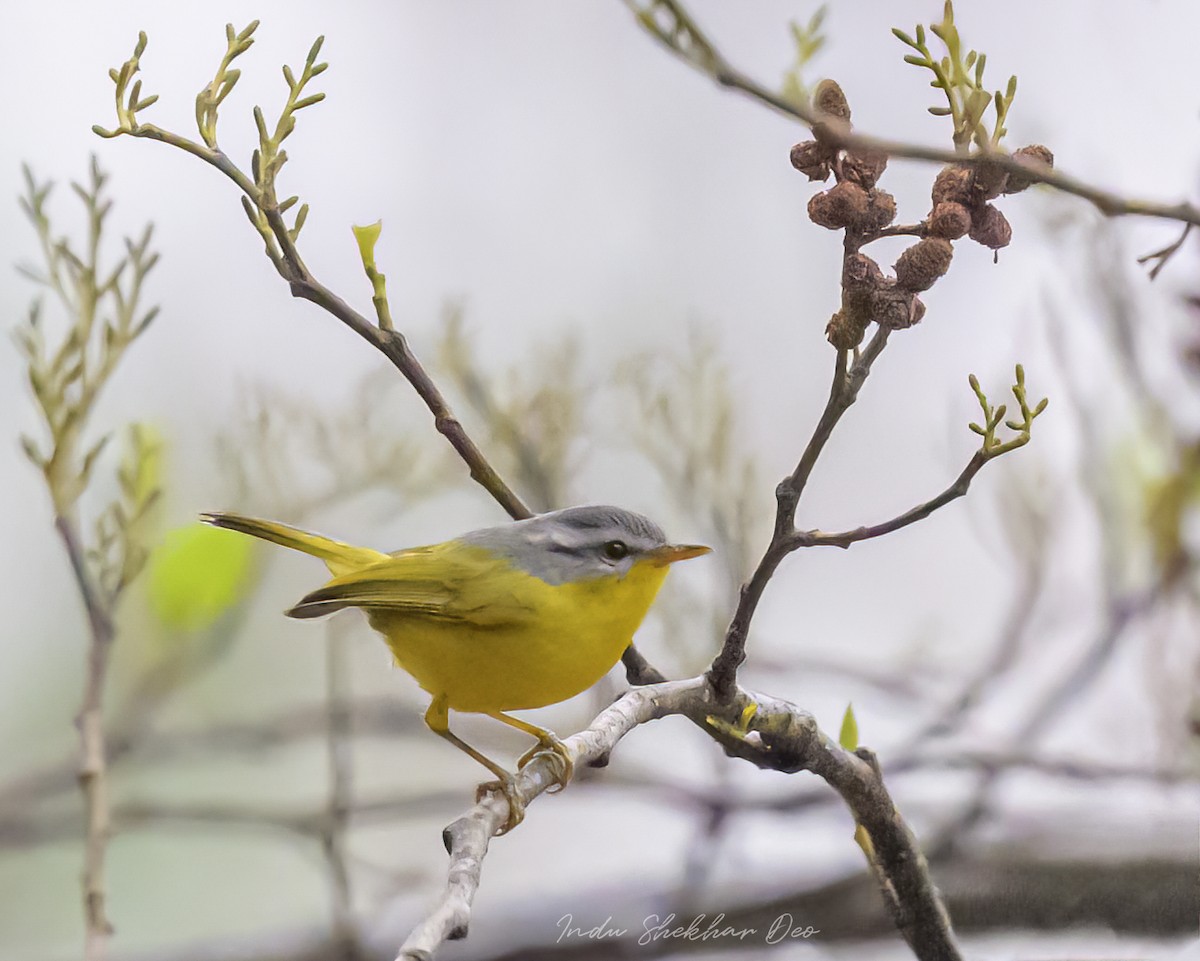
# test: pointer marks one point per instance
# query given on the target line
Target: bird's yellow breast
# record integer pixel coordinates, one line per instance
(569, 637)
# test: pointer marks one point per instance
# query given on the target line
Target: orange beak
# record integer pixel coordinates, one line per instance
(670, 553)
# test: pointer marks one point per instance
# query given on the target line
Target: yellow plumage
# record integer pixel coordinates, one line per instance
(535, 618)
(469, 626)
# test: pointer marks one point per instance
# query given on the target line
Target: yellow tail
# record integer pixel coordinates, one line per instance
(338, 557)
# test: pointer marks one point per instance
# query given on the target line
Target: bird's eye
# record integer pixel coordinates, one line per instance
(615, 550)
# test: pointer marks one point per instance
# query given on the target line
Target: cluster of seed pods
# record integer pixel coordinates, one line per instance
(961, 206)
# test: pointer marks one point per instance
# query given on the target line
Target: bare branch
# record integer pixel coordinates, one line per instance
(920, 512)
(341, 790)
(92, 765)
(267, 214)
(842, 394)
(770, 733)
(680, 34)
(1160, 257)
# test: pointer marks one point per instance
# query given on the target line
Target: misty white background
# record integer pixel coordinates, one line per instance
(554, 170)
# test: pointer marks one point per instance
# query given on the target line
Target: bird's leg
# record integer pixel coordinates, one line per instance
(547, 743)
(438, 720)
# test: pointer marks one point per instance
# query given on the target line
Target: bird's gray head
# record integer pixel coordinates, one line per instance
(581, 542)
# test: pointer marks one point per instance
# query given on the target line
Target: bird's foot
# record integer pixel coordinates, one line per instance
(556, 749)
(507, 786)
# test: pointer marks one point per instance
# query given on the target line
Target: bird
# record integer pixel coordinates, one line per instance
(505, 618)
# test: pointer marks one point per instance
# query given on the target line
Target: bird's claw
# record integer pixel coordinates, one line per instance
(516, 804)
(561, 755)
(506, 784)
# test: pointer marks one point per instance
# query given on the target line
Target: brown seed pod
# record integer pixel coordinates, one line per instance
(845, 331)
(896, 309)
(923, 263)
(990, 181)
(880, 212)
(838, 207)
(829, 99)
(990, 227)
(953, 184)
(1034, 156)
(864, 167)
(830, 102)
(811, 159)
(861, 277)
(860, 272)
(949, 220)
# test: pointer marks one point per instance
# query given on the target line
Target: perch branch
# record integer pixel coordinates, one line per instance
(770, 733)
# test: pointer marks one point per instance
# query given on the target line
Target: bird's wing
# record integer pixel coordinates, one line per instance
(447, 582)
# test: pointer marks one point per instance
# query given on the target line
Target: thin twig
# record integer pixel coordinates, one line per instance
(391, 343)
(341, 790)
(104, 319)
(92, 765)
(845, 538)
(1160, 257)
(847, 381)
(685, 40)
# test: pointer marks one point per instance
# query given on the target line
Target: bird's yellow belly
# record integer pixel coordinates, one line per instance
(576, 633)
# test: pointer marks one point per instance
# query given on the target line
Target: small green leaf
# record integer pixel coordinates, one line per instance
(197, 574)
(314, 51)
(31, 451)
(366, 238)
(309, 101)
(848, 736)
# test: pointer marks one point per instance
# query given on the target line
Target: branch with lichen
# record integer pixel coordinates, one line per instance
(67, 373)
(770, 733)
(269, 216)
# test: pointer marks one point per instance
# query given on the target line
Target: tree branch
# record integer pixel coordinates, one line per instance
(843, 392)
(92, 764)
(267, 214)
(340, 801)
(680, 35)
(770, 733)
(920, 512)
